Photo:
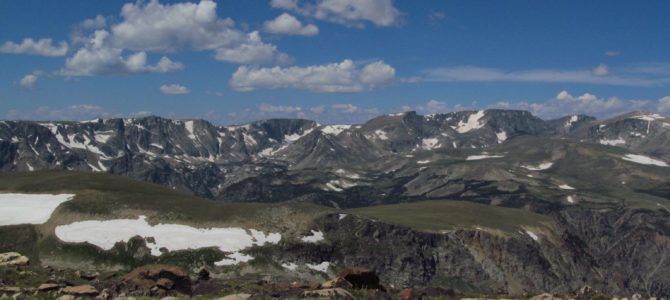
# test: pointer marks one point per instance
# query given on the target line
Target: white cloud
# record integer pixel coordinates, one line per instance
(664, 104)
(98, 57)
(264, 107)
(42, 47)
(566, 104)
(95, 23)
(252, 51)
(335, 77)
(612, 53)
(28, 82)
(347, 12)
(174, 89)
(288, 24)
(318, 109)
(477, 74)
(155, 27)
(601, 70)
(346, 108)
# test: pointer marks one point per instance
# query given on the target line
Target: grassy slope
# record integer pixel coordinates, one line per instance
(447, 215)
(103, 196)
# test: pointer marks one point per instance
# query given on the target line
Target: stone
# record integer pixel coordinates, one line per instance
(336, 293)
(409, 294)
(545, 296)
(104, 295)
(87, 275)
(13, 259)
(236, 297)
(10, 289)
(337, 282)
(46, 287)
(67, 297)
(146, 279)
(81, 290)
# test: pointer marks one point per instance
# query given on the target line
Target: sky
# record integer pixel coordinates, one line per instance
(334, 61)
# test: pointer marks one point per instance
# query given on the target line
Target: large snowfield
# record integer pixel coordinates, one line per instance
(105, 234)
(29, 208)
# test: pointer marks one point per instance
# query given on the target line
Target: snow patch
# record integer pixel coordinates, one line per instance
(322, 267)
(472, 122)
(381, 134)
(502, 136)
(341, 216)
(565, 187)
(334, 129)
(483, 156)
(294, 137)
(540, 167)
(645, 160)
(314, 238)
(618, 141)
(423, 162)
(105, 234)
(289, 266)
(430, 143)
(532, 235)
(571, 121)
(29, 208)
(570, 199)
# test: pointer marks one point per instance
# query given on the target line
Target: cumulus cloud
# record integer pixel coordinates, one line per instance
(567, 104)
(664, 104)
(43, 47)
(601, 70)
(28, 82)
(478, 74)
(264, 107)
(346, 108)
(174, 89)
(347, 12)
(155, 27)
(99, 57)
(252, 51)
(288, 24)
(330, 78)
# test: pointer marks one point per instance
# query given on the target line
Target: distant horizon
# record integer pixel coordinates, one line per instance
(325, 124)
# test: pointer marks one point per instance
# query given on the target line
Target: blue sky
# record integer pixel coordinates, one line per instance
(336, 61)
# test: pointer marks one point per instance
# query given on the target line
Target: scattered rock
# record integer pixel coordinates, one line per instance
(10, 289)
(337, 282)
(81, 290)
(545, 296)
(157, 280)
(46, 287)
(87, 275)
(410, 294)
(67, 297)
(361, 278)
(236, 297)
(169, 298)
(13, 259)
(104, 295)
(336, 293)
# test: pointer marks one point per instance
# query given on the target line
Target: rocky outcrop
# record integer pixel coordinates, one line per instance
(156, 280)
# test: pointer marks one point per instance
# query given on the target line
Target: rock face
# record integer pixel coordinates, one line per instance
(583, 248)
(157, 280)
(13, 259)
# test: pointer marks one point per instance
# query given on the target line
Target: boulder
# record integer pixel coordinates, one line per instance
(67, 297)
(10, 289)
(336, 293)
(410, 294)
(235, 297)
(13, 259)
(361, 278)
(47, 287)
(81, 290)
(545, 296)
(87, 275)
(104, 295)
(337, 282)
(156, 280)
